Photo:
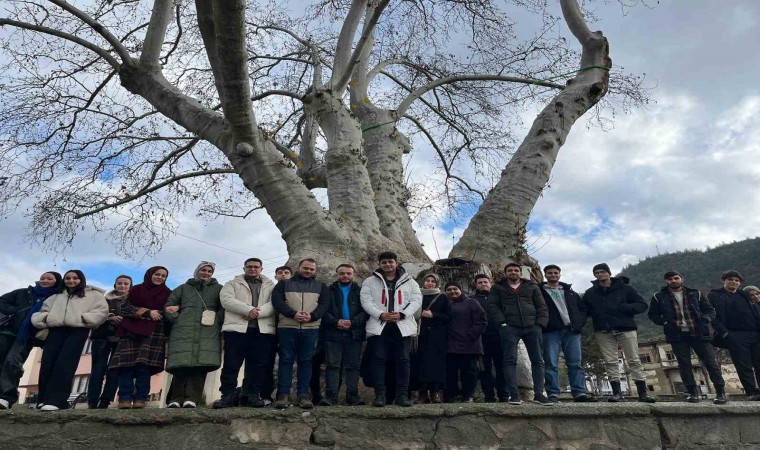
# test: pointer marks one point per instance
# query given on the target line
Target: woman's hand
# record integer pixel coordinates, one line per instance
(171, 309)
(156, 315)
(427, 313)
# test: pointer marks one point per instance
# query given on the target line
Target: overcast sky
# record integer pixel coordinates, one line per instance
(680, 173)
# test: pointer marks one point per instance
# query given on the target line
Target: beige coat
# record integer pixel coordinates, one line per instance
(237, 301)
(60, 310)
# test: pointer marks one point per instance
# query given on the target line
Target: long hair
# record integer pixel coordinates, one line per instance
(79, 290)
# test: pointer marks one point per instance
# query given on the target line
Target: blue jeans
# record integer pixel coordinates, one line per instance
(134, 383)
(570, 343)
(102, 350)
(295, 345)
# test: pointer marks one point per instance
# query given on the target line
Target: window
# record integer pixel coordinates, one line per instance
(645, 357)
(669, 355)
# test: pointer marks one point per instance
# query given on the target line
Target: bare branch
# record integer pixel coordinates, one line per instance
(345, 40)
(154, 37)
(271, 92)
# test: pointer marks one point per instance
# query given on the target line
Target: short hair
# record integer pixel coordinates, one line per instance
(552, 266)
(387, 255)
(481, 275)
(283, 268)
(670, 274)
(254, 260)
(345, 265)
(306, 260)
(729, 274)
(512, 264)
(123, 276)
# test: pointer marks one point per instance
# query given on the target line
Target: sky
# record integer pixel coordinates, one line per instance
(680, 173)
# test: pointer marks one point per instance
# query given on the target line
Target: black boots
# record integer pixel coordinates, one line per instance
(641, 388)
(617, 394)
(379, 399)
(693, 396)
(720, 395)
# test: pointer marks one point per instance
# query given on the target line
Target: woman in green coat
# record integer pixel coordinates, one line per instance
(195, 346)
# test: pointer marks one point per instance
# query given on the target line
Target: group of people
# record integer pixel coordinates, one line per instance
(424, 344)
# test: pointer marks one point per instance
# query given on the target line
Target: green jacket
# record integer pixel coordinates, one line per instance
(190, 343)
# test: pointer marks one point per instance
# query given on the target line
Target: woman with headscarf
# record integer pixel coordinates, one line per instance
(142, 339)
(68, 316)
(16, 340)
(431, 340)
(195, 344)
(467, 324)
(104, 342)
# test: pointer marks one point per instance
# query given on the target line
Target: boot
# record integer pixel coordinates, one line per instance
(227, 401)
(379, 399)
(424, 397)
(353, 399)
(435, 397)
(402, 399)
(693, 396)
(641, 388)
(617, 394)
(720, 395)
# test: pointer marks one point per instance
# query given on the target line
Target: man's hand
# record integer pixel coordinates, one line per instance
(253, 314)
(171, 309)
(302, 316)
(344, 324)
(391, 317)
(155, 315)
(427, 313)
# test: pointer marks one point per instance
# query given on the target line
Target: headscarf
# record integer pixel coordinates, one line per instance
(202, 265)
(436, 290)
(144, 295)
(40, 294)
(456, 285)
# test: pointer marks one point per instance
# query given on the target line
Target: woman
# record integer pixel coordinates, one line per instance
(19, 305)
(431, 335)
(142, 339)
(754, 293)
(104, 341)
(68, 315)
(195, 348)
(467, 324)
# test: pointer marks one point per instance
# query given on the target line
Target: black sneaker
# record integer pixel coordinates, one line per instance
(585, 398)
(379, 400)
(514, 400)
(354, 400)
(542, 400)
(554, 398)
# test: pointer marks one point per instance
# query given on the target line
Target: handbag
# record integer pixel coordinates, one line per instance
(208, 317)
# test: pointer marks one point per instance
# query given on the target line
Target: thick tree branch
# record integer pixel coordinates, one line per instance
(271, 92)
(160, 18)
(346, 39)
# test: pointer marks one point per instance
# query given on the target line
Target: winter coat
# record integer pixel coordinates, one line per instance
(613, 308)
(467, 324)
(407, 300)
(237, 300)
(300, 294)
(576, 309)
(115, 305)
(734, 312)
(522, 309)
(432, 340)
(662, 312)
(62, 310)
(190, 343)
(492, 329)
(329, 328)
(17, 303)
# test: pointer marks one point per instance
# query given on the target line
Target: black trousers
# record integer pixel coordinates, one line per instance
(390, 346)
(13, 369)
(744, 348)
(493, 363)
(187, 385)
(251, 348)
(6, 342)
(344, 353)
(60, 358)
(464, 368)
(533, 339)
(705, 352)
(267, 389)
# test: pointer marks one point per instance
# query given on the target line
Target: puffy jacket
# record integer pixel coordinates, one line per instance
(734, 311)
(662, 312)
(522, 309)
(576, 309)
(17, 303)
(329, 329)
(492, 329)
(407, 300)
(115, 305)
(613, 308)
(192, 344)
(237, 300)
(467, 324)
(62, 310)
(300, 294)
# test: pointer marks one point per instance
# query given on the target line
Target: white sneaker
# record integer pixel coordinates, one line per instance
(40, 405)
(49, 408)
(4, 404)
(173, 405)
(188, 404)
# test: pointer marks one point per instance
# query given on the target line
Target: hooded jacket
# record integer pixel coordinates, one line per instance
(329, 329)
(522, 309)
(663, 312)
(613, 308)
(576, 309)
(237, 300)
(300, 294)
(63, 310)
(375, 298)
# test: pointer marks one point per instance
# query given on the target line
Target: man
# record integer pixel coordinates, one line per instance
(283, 273)
(685, 314)
(280, 273)
(391, 297)
(518, 308)
(612, 303)
(567, 316)
(248, 332)
(300, 302)
(737, 324)
(492, 353)
(342, 333)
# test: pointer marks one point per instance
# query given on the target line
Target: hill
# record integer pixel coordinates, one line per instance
(700, 269)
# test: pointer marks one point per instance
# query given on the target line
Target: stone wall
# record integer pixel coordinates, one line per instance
(566, 426)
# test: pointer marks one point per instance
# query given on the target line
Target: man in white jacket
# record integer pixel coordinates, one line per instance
(390, 297)
(248, 333)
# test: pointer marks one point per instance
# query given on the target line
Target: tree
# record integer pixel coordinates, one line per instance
(234, 107)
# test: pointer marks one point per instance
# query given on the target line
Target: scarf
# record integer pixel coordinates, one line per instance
(144, 295)
(40, 294)
(688, 320)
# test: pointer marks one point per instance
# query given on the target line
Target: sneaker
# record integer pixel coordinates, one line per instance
(585, 398)
(403, 400)
(255, 402)
(554, 398)
(188, 404)
(5, 404)
(468, 400)
(125, 405)
(354, 400)
(379, 400)
(267, 401)
(754, 398)
(515, 400)
(282, 402)
(304, 402)
(542, 400)
(435, 397)
(138, 404)
(39, 405)
(49, 408)
(693, 398)
(327, 401)
(173, 405)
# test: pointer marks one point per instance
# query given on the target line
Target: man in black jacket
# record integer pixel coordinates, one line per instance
(519, 308)
(342, 333)
(737, 323)
(684, 315)
(612, 303)
(493, 355)
(567, 316)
